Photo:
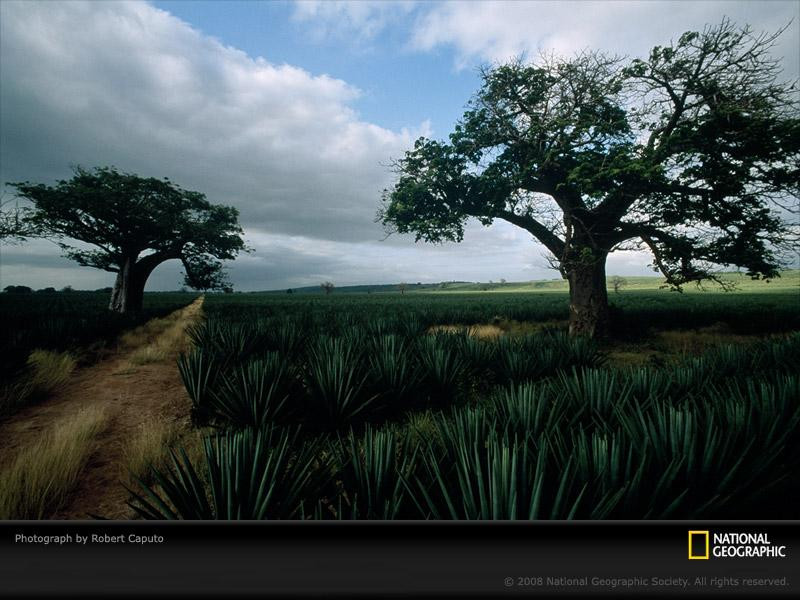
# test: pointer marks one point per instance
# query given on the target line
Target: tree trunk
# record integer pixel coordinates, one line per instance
(128, 291)
(588, 299)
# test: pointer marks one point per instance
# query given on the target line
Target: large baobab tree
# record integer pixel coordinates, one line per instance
(691, 152)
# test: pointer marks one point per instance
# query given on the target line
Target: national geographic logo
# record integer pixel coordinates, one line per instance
(705, 544)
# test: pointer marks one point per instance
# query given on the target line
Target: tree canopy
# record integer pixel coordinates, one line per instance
(691, 152)
(135, 224)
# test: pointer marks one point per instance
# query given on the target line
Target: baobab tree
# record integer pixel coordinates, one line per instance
(691, 152)
(134, 225)
(618, 283)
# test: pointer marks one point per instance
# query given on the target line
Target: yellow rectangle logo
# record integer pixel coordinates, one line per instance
(692, 555)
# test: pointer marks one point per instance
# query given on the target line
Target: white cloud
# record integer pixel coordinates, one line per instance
(497, 31)
(123, 83)
(127, 84)
(359, 20)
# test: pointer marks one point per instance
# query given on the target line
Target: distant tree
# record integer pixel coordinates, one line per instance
(618, 283)
(402, 287)
(502, 281)
(67, 289)
(290, 291)
(691, 152)
(47, 290)
(135, 224)
(17, 289)
(327, 286)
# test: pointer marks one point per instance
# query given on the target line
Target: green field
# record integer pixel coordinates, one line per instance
(789, 281)
(363, 407)
(467, 405)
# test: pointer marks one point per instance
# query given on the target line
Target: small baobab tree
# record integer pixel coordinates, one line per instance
(618, 283)
(134, 224)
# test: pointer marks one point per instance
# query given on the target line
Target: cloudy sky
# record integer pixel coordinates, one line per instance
(291, 111)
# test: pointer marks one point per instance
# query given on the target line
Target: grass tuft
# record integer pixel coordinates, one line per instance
(37, 482)
(149, 446)
(45, 372)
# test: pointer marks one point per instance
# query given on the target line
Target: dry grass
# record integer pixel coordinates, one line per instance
(421, 428)
(46, 371)
(159, 339)
(153, 353)
(479, 331)
(152, 443)
(149, 446)
(500, 327)
(39, 479)
(672, 346)
(697, 341)
(147, 333)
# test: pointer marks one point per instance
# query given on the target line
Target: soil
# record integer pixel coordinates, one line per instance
(131, 395)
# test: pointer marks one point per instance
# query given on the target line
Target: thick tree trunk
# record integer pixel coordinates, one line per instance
(588, 299)
(128, 291)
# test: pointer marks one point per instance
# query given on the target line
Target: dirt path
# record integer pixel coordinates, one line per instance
(139, 384)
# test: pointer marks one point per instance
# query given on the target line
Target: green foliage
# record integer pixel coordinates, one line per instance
(691, 152)
(243, 475)
(135, 224)
(198, 372)
(442, 370)
(336, 383)
(392, 372)
(254, 394)
(422, 425)
(373, 469)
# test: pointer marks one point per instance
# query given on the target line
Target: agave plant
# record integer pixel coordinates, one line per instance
(391, 370)
(529, 409)
(411, 327)
(782, 355)
(229, 340)
(199, 372)
(519, 363)
(254, 394)
(372, 472)
(335, 384)
(595, 395)
(286, 338)
(443, 371)
(573, 351)
(498, 478)
(480, 356)
(243, 475)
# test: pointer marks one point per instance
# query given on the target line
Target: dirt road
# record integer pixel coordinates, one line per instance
(136, 385)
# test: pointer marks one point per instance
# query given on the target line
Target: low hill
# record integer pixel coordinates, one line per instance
(789, 281)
